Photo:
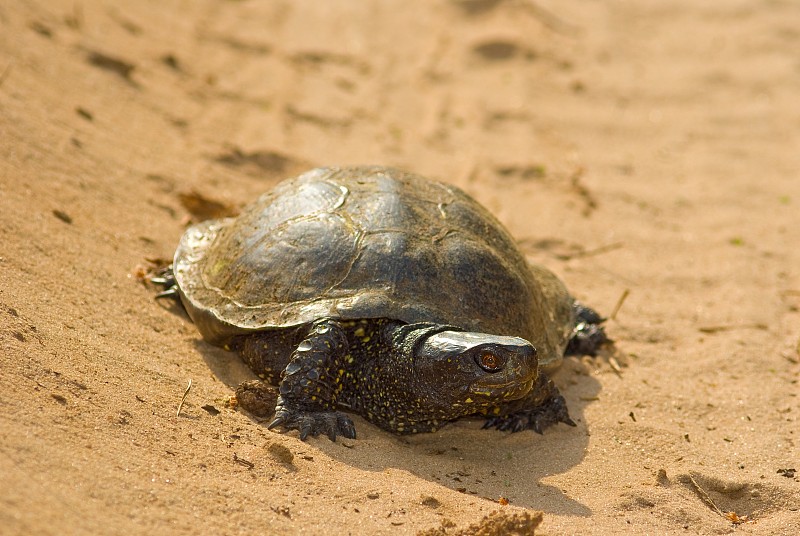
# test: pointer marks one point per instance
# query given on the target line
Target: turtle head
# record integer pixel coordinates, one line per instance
(462, 372)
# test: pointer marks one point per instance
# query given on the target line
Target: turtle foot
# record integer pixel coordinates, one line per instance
(314, 423)
(538, 419)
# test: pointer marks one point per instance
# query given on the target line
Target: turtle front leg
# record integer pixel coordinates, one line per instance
(542, 408)
(311, 383)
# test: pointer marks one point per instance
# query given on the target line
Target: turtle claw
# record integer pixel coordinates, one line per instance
(314, 423)
(346, 426)
(171, 292)
(275, 423)
(165, 278)
(305, 429)
(536, 426)
(538, 419)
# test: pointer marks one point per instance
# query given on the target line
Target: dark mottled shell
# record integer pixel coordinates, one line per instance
(367, 242)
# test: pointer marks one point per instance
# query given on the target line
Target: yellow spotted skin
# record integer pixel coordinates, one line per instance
(350, 367)
(364, 367)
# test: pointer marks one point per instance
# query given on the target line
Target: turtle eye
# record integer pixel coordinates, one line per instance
(490, 362)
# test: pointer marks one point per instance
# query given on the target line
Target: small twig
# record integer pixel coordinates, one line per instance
(75, 20)
(550, 20)
(704, 496)
(4, 74)
(731, 327)
(618, 306)
(590, 252)
(183, 398)
(583, 192)
(614, 364)
(242, 461)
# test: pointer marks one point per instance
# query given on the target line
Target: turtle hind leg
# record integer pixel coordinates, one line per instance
(541, 409)
(311, 384)
(588, 335)
(587, 314)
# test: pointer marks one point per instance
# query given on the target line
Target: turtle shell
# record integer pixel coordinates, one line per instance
(367, 242)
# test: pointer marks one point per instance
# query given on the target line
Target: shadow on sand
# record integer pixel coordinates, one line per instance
(484, 463)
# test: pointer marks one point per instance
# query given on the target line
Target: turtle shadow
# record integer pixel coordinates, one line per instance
(226, 366)
(486, 464)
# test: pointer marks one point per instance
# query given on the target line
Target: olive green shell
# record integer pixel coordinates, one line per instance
(367, 242)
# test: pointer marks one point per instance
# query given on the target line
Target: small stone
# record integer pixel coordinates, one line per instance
(256, 398)
(662, 478)
(430, 501)
(63, 216)
(280, 453)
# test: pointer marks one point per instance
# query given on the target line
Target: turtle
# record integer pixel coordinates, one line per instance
(375, 291)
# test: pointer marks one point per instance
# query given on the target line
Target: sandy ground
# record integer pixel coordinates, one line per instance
(648, 147)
